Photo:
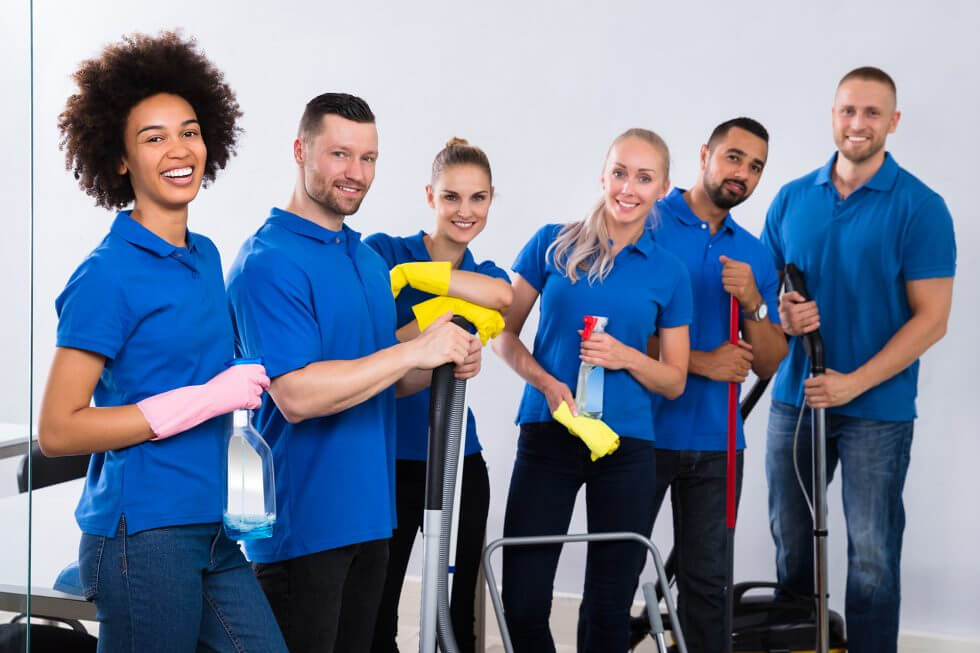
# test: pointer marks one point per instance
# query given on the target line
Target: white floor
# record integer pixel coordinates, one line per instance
(564, 617)
(563, 620)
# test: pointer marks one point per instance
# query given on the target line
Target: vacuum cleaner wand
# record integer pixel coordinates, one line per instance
(812, 342)
(813, 346)
(446, 420)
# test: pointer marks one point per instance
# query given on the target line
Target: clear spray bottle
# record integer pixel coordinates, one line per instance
(591, 378)
(250, 490)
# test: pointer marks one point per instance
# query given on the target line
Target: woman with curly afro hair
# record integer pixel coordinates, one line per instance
(144, 328)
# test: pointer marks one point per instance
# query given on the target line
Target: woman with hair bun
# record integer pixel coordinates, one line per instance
(460, 193)
(606, 265)
(144, 328)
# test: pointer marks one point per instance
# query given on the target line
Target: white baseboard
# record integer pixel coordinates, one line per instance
(917, 642)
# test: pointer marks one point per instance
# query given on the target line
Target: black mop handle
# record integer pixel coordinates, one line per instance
(812, 342)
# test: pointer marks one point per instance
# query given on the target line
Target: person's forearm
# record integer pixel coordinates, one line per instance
(413, 381)
(481, 289)
(511, 349)
(329, 387)
(699, 363)
(769, 346)
(92, 430)
(903, 349)
(656, 376)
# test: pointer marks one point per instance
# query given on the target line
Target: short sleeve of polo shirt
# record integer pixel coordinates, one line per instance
(272, 302)
(530, 262)
(770, 232)
(92, 312)
(929, 245)
(679, 311)
(491, 269)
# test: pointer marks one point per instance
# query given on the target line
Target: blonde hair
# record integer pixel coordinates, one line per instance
(584, 246)
(458, 151)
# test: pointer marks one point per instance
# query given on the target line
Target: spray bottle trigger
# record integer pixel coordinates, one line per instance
(590, 322)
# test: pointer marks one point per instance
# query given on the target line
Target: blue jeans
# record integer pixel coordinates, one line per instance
(697, 483)
(181, 588)
(550, 468)
(874, 459)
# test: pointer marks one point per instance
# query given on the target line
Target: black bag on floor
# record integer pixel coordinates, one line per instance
(46, 638)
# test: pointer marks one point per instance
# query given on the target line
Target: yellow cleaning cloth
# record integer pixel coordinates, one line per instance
(487, 321)
(428, 276)
(597, 436)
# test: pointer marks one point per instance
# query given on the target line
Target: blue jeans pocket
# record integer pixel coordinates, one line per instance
(90, 551)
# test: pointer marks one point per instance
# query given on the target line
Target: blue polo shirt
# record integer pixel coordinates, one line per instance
(159, 316)
(413, 410)
(647, 289)
(856, 256)
(698, 419)
(299, 294)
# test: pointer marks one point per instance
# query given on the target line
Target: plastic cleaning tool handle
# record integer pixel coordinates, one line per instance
(813, 341)
(250, 487)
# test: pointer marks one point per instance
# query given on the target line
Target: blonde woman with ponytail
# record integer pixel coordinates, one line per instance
(460, 193)
(605, 265)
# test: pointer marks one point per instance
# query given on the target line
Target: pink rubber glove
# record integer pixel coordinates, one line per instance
(181, 409)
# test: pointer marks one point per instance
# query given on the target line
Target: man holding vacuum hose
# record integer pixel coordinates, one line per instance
(876, 248)
(316, 304)
(723, 260)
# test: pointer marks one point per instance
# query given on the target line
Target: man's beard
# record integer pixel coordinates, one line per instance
(721, 198)
(324, 195)
(874, 149)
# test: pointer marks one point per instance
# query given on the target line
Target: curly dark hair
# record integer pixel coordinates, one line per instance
(126, 73)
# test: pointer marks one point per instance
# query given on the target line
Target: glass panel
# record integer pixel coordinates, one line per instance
(15, 332)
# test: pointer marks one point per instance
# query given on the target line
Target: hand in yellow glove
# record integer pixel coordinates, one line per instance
(487, 321)
(428, 276)
(597, 436)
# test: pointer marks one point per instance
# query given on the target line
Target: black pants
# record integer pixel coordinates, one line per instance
(327, 601)
(550, 468)
(475, 503)
(697, 497)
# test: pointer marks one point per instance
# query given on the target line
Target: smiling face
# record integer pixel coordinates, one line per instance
(164, 153)
(633, 178)
(863, 116)
(338, 164)
(732, 167)
(461, 199)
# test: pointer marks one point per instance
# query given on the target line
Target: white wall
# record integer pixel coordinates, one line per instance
(544, 87)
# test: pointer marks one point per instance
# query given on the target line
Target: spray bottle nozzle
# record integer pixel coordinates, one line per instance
(590, 322)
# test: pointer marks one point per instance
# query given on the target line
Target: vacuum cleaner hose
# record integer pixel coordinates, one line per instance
(446, 420)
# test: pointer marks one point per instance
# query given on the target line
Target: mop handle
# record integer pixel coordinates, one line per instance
(734, 311)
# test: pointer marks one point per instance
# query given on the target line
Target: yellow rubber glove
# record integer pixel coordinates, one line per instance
(597, 436)
(488, 322)
(428, 276)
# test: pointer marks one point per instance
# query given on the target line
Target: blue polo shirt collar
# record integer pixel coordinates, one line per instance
(308, 228)
(644, 245)
(882, 180)
(679, 207)
(132, 231)
(416, 247)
